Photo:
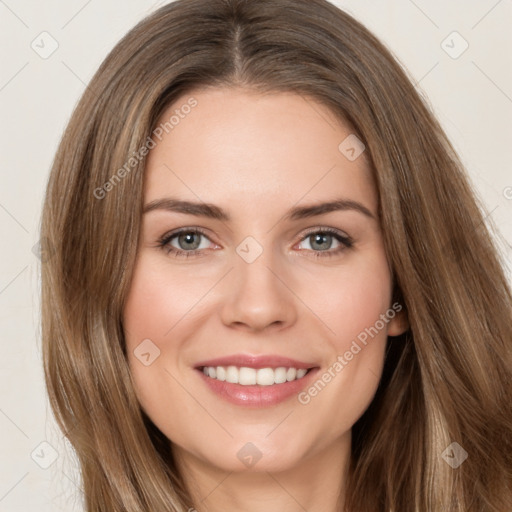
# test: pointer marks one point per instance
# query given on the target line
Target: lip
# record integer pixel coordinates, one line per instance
(256, 361)
(256, 396)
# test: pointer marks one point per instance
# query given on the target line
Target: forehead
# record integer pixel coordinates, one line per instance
(240, 148)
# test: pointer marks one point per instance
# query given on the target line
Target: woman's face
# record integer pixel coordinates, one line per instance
(269, 276)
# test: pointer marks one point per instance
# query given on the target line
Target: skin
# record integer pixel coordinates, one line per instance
(257, 156)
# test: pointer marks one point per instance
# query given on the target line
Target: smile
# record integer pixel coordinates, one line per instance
(255, 381)
(246, 376)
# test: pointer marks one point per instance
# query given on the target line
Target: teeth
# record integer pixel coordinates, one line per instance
(250, 376)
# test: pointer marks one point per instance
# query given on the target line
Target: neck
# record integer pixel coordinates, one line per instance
(316, 483)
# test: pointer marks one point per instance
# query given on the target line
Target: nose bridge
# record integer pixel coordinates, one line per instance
(256, 294)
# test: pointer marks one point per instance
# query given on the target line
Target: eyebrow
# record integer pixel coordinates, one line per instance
(215, 212)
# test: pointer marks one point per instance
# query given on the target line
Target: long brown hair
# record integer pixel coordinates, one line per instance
(447, 379)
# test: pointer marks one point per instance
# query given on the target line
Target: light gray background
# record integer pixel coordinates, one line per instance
(471, 95)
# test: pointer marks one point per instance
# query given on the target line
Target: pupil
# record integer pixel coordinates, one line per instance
(188, 238)
(318, 239)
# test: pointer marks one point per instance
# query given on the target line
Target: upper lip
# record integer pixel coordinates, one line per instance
(256, 361)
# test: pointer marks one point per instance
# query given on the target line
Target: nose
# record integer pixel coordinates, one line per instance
(257, 296)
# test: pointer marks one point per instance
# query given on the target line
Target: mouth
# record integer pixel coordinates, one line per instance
(256, 381)
(247, 376)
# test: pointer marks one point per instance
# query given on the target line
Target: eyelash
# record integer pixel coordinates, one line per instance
(164, 242)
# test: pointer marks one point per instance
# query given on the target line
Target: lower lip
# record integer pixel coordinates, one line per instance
(257, 396)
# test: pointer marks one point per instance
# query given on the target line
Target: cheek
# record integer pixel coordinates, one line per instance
(356, 307)
(351, 300)
(156, 302)
(156, 328)
(158, 299)
(358, 302)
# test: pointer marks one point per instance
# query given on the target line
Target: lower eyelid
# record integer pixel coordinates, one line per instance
(344, 240)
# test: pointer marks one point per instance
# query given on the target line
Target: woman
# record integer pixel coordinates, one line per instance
(336, 336)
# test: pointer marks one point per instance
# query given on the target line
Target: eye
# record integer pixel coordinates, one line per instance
(188, 241)
(320, 241)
